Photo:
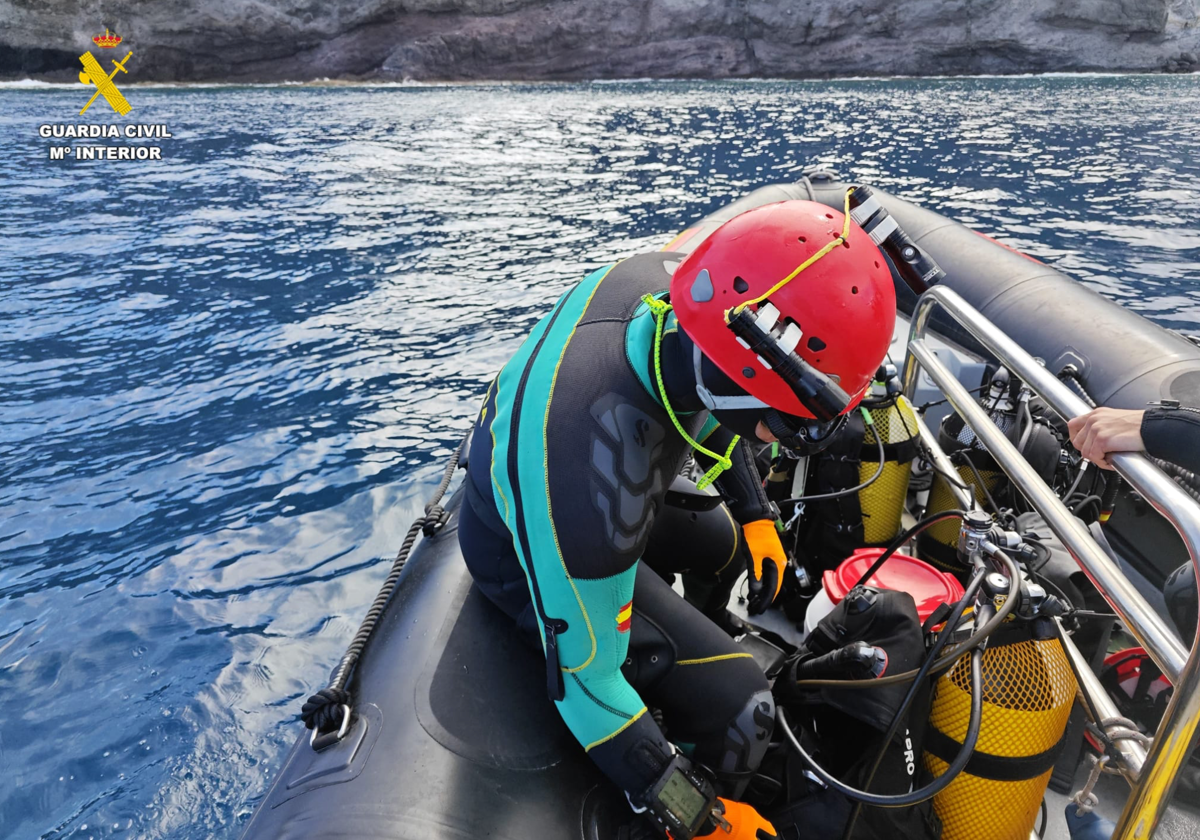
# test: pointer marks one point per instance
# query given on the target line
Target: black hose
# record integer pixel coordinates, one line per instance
(947, 630)
(1028, 430)
(898, 543)
(324, 710)
(904, 800)
(979, 477)
(1108, 499)
(1112, 484)
(923, 407)
(837, 494)
(1084, 502)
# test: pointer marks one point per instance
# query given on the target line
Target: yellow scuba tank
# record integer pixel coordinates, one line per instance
(1028, 691)
(882, 501)
(855, 516)
(977, 471)
(938, 544)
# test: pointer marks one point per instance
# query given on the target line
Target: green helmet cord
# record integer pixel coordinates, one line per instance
(660, 309)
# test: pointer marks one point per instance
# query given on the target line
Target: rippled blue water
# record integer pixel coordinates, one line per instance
(227, 379)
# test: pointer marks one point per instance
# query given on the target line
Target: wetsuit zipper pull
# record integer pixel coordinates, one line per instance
(555, 686)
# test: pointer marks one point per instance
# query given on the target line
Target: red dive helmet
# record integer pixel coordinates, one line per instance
(829, 325)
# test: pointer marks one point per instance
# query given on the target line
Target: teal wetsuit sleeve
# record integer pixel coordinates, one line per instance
(584, 622)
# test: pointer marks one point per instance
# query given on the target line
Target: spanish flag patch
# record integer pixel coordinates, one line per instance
(624, 617)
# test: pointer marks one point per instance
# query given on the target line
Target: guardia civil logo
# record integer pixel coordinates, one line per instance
(102, 84)
(93, 74)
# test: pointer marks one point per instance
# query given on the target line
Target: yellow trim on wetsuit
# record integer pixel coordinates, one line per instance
(681, 235)
(708, 659)
(546, 469)
(621, 729)
(736, 537)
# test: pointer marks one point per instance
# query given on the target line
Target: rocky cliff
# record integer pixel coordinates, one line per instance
(269, 40)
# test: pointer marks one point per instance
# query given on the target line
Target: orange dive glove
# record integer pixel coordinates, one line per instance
(767, 562)
(742, 822)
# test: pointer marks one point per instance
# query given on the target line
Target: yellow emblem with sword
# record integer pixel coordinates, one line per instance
(94, 74)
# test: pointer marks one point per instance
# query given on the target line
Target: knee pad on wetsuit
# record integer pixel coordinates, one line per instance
(746, 740)
(651, 655)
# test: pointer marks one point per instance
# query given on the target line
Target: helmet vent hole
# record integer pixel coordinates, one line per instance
(801, 238)
(828, 215)
(740, 286)
(816, 345)
(854, 290)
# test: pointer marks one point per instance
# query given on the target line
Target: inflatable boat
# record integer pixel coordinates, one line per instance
(448, 732)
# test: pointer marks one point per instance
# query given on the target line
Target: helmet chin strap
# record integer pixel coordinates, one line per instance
(715, 402)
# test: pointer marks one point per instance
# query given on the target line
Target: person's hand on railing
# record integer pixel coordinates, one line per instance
(1103, 431)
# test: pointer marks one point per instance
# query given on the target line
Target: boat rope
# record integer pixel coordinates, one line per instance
(327, 710)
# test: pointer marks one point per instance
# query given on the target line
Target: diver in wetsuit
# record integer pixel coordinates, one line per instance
(582, 433)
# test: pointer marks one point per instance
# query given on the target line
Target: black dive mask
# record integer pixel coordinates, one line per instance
(804, 436)
(741, 413)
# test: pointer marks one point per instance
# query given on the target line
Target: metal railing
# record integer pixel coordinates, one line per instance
(1152, 783)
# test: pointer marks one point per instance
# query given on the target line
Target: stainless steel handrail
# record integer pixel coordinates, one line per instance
(941, 463)
(1133, 754)
(1060, 520)
(1173, 741)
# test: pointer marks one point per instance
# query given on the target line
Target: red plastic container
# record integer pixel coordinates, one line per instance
(929, 587)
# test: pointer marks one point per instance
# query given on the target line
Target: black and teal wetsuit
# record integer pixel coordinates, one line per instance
(571, 459)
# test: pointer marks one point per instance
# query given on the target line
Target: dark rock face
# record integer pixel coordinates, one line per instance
(252, 40)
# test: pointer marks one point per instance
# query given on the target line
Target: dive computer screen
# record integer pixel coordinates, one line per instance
(681, 798)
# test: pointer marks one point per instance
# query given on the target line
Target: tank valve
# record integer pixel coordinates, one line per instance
(976, 527)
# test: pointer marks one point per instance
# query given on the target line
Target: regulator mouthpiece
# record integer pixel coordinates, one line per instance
(916, 268)
(774, 340)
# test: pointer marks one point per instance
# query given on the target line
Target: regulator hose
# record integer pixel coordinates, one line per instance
(904, 800)
(837, 494)
(899, 542)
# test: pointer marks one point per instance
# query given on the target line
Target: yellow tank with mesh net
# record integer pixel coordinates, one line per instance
(938, 544)
(882, 501)
(1028, 690)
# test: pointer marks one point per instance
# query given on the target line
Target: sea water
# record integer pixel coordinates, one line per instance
(229, 377)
